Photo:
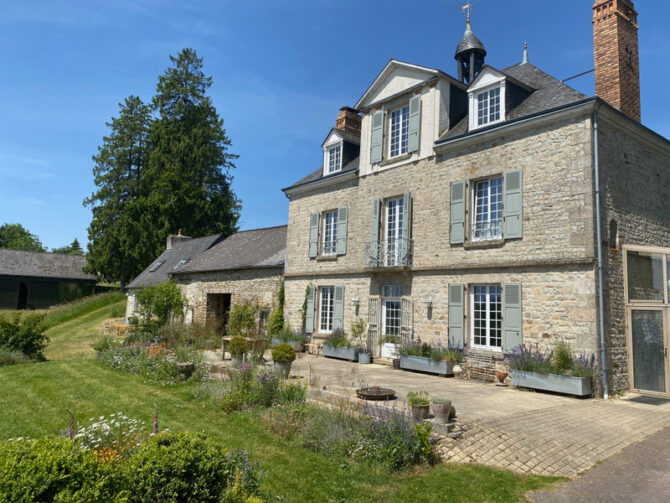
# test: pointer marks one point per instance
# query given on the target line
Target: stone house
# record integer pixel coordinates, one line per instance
(496, 208)
(215, 273)
(36, 280)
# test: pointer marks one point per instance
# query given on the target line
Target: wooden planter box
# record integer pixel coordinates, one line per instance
(579, 386)
(350, 354)
(297, 345)
(443, 367)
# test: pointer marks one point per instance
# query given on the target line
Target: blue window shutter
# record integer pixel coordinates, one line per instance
(338, 308)
(377, 136)
(406, 227)
(512, 204)
(309, 313)
(456, 325)
(457, 213)
(342, 217)
(414, 124)
(313, 235)
(512, 323)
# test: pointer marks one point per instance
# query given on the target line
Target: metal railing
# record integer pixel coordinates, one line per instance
(485, 231)
(389, 253)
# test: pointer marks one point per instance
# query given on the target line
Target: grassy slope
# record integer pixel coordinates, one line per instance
(35, 399)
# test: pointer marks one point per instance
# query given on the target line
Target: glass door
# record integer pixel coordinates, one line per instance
(649, 353)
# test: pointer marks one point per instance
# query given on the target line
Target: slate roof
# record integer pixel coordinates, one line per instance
(256, 248)
(318, 174)
(468, 42)
(186, 250)
(43, 265)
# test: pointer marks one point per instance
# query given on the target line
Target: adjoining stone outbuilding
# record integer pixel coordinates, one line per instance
(36, 280)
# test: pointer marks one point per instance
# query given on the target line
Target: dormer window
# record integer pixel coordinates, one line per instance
(488, 106)
(334, 159)
(399, 128)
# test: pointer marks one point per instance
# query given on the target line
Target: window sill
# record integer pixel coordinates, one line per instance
(482, 244)
(394, 160)
(326, 258)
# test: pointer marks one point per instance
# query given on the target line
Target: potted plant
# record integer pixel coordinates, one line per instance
(418, 402)
(441, 409)
(283, 356)
(558, 370)
(357, 329)
(293, 338)
(390, 345)
(338, 345)
(238, 347)
(427, 358)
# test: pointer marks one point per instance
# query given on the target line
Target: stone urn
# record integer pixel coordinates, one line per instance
(441, 411)
(458, 371)
(283, 368)
(420, 412)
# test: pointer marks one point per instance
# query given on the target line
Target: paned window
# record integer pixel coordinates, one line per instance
(488, 106)
(334, 159)
(399, 131)
(330, 232)
(326, 308)
(394, 216)
(391, 309)
(487, 209)
(486, 302)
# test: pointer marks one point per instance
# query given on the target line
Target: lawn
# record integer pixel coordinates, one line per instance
(36, 397)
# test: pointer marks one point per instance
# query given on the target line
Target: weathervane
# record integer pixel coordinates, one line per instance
(468, 7)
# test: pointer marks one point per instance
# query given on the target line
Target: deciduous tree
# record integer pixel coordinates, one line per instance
(16, 237)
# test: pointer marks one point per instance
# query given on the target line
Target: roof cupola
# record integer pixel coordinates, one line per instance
(470, 54)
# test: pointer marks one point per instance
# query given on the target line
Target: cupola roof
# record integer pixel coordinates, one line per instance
(469, 43)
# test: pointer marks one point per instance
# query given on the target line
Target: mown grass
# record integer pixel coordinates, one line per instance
(35, 399)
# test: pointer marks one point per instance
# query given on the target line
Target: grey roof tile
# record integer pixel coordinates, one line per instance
(318, 174)
(43, 265)
(243, 250)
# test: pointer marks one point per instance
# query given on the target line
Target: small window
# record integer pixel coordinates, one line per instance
(329, 245)
(486, 302)
(334, 159)
(392, 291)
(399, 131)
(488, 106)
(156, 265)
(487, 209)
(180, 264)
(326, 308)
(645, 276)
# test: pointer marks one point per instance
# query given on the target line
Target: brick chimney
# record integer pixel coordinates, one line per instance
(173, 240)
(616, 55)
(348, 120)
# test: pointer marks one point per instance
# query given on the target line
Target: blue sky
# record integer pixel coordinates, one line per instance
(281, 70)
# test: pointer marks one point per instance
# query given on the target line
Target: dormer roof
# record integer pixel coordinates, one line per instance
(489, 75)
(342, 135)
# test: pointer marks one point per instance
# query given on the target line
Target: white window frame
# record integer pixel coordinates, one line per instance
(473, 107)
(334, 165)
(473, 318)
(475, 211)
(403, 134)
(393, 234)
(326, 299)
(329, 246)
(391, 293)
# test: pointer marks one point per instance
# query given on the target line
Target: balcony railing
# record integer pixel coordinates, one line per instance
(486, 231)
(389, 253)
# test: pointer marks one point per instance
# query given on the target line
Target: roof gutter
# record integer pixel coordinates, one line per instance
(321, 182)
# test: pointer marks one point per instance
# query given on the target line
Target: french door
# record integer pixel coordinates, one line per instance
(648, 343)
(394, 216)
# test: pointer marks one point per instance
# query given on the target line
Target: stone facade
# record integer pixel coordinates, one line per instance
(258, 286)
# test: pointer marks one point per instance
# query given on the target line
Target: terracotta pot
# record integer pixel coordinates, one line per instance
(501, 375)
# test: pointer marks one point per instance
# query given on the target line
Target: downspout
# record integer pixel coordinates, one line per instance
(601, 307)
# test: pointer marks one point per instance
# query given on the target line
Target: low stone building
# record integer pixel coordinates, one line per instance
(247, 266)
(35, 280)
(495, 209)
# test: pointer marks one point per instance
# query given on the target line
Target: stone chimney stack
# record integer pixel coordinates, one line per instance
(174, 240)
(616, 55)
(348, 120)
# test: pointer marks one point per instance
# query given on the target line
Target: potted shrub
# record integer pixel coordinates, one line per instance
(283, 356)
(338, 345)
(238, 347)
(427, 358)
(357, 329)
(390, 346)
(441, 409)
(418, 402)
(558, 370)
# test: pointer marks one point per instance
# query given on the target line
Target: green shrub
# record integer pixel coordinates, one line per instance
(417, 397)
(338, 339)
(242, 319)
(238, 345)
(283, 353)
(276, 322)
(24, 333)
(56, 469)
(562, 357)
(184, 467)
(288, 335)
(9, 357)
(159, 302)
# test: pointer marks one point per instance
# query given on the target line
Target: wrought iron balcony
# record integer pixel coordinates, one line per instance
(389, 253)
(486, 231)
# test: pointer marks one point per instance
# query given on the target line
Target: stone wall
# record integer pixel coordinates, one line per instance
(259, 286)
(635, 183)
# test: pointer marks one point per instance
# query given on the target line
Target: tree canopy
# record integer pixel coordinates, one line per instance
(73, 248)
(163, 167)
(16, 237)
